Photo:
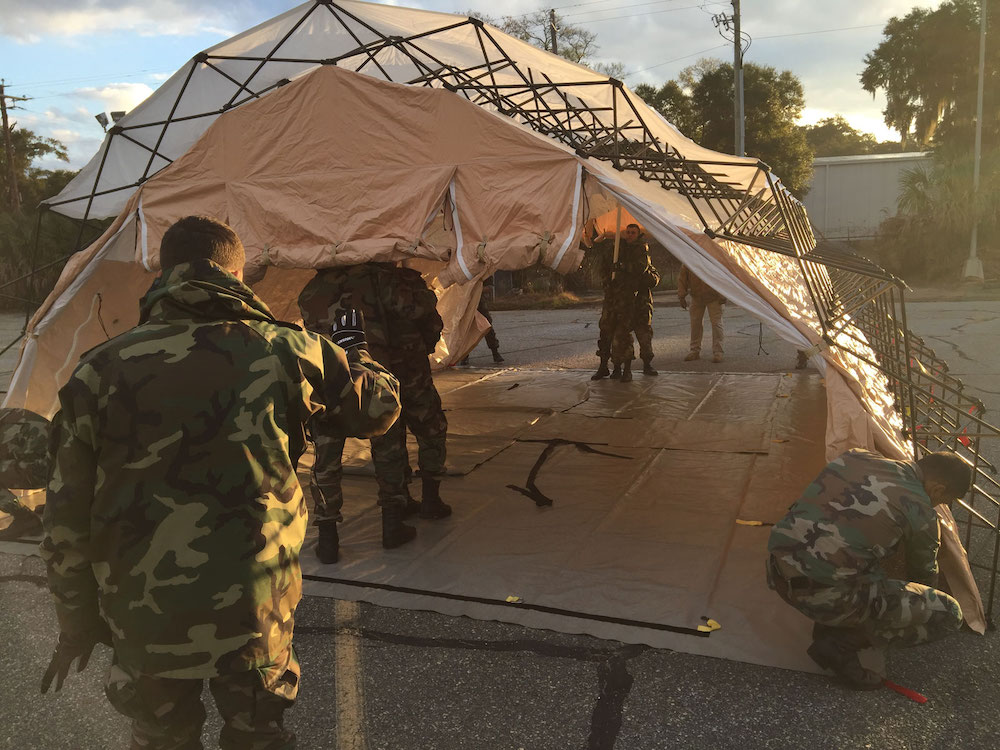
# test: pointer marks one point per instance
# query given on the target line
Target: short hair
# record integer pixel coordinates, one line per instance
(637, 227)
(948, 469)
(201, 238)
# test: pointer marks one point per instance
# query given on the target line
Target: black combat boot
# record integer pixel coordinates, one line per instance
(412, 507)
(432, 506)
(617, 372)
(647, 367)
(395, 533)
(626, 371)
(328, 544)
(496, 356)
(837, 649)
(602, 370)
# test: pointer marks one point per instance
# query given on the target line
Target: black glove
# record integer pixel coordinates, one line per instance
(348, 328)
(67, 650)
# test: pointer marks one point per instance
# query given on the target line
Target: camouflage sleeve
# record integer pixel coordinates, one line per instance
(318, 301)
(358, 396)
(65, 546)
(921, 552)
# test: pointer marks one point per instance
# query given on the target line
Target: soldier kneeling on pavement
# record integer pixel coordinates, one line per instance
(24, 465)
(827, 557)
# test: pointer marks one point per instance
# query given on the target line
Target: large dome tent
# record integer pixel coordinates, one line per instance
(340, 132)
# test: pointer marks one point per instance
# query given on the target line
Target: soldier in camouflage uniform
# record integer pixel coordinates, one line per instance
(827, 553)
(174, 517)
(628, 305)
(403, 327)
(24, 465)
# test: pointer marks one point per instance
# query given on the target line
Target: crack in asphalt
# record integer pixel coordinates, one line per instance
(613, 678)
(578, 653)
(615, 684)
(39, 581)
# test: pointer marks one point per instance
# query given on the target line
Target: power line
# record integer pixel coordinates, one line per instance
(682, 57)
(636, 15)
(822, 31)
(580, 5)
(82, 79)
(618, 7)
(772, 36)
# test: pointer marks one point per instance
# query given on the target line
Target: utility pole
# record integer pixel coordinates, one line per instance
(974, 266)
(14, 192)
(738, 74)
(552, 31)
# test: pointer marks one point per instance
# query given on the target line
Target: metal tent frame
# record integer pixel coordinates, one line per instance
(860, 307)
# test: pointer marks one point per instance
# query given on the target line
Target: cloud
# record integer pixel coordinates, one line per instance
(29, 22)
(117, 96)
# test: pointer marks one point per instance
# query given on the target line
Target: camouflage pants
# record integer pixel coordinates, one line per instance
(327, 473)
(422, 415)
(491, 336)
(167, 714)
(697, 309)
(891, 612)
(621, 314)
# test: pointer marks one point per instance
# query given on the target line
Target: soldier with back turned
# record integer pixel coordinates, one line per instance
(174, 517)
(403, 328)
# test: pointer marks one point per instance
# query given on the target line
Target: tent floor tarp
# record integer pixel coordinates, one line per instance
(614, 510)
(607, 509)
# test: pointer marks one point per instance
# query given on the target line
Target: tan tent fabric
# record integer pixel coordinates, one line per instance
(338, 167)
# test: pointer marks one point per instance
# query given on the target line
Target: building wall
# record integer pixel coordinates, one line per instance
(851, 195)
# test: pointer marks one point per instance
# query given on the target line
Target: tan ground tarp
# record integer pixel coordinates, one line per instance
(644, 538)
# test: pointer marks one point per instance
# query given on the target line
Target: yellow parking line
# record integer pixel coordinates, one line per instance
(347, 676)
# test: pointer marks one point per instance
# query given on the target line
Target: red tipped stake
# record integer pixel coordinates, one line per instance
(913, 695)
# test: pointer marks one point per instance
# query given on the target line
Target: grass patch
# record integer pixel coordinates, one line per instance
(538, 301)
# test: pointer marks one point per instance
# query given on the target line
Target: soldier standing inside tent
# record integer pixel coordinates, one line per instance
(827, 557)
(628, 305)
(703, 297)
(483, 309)
(174, 518)
(403, 328)
(24, 465)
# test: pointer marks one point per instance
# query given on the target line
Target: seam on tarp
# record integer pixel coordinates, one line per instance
(143, 236)
(71, 356)
(576, 210)
(458, 231)
(511, 605)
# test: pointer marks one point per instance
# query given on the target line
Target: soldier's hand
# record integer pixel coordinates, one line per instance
(348, 328)
(684, 302)
(68, 649)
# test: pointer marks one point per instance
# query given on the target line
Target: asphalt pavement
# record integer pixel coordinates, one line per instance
(375, 677)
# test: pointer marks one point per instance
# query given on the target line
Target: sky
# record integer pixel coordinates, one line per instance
(73, 59)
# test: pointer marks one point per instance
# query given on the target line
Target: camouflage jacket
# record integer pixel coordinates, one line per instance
(174, 512)
(855, 514)
(401, 317)
(636, 272)
(24, 454)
